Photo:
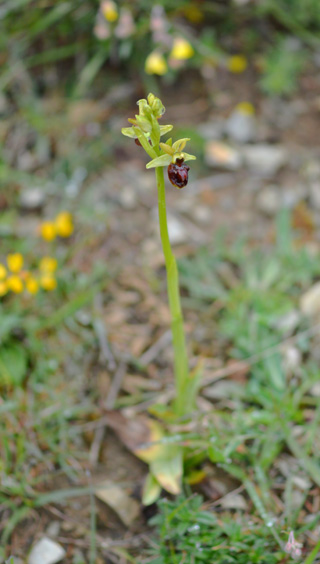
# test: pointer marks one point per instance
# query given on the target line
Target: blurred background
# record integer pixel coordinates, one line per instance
(84, 316)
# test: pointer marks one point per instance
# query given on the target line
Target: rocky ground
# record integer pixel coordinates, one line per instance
(253, 160)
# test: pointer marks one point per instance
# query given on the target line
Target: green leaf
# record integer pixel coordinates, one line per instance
(168, 472)
(13, 364)
(163, 160)
(151, 490)
(215, 454)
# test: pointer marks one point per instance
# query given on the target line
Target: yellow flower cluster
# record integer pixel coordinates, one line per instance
(13, 278)
(109, 10)
(61, 226)
(181, 51)
(237, 64)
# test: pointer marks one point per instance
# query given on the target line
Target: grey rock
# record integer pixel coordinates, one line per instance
(117, 498)
(32, 199)
(53, 529)
(269, 200)
(222, 156)
(264, 160)
(128, 198)
(241, 127)
(212, 129)
(310, 300)
(177, 231)
(292, 359)
(314, 189)
(288, 322)
(202, 214)
(46, 551)
(3, 104)
(27, 161)
(234, 501)
(292, 195)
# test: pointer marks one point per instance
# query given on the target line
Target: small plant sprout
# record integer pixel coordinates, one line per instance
(146, 129)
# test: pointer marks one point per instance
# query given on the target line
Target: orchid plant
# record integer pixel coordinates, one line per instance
(166, 461)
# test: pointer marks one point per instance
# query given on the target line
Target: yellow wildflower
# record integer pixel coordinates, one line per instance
(63, 224)
(3, 272)
(3, 288)
(181, 49)
(193, 13)
(48, 282)
(156, 64)
(109, 10)
(32, 285)
(48, 230)
(237, 63)
(15, 284)
(15, 262)
(48, 264)
(245, 108)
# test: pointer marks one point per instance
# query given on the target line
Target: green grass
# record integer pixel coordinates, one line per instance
(189, 533)
(262, 429)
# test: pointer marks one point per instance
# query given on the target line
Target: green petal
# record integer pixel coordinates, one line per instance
(188, 157)
(128, 132)
(163, 160)
(179, 145)
(167, 149)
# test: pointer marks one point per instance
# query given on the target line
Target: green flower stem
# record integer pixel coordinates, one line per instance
(182, 402)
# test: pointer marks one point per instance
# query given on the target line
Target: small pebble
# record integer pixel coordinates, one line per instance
(264, 160)
(46, 551)
(32, 199)
(241, 127)
(269, 200)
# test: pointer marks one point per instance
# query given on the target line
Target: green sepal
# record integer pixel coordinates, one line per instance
(164, 129)
(144, 124)
(155, 131)
(128, 132)
(163, 160)
(188, 157)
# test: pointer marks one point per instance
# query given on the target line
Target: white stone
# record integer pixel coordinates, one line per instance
(265, 160)
(241, 127)
(32, 199)
(222, 156)
(116, 497)
(177, 231)
(310, 300)
(269, 200)
(315, 194)
(234, 501)
(46, 551)
(128, 198)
